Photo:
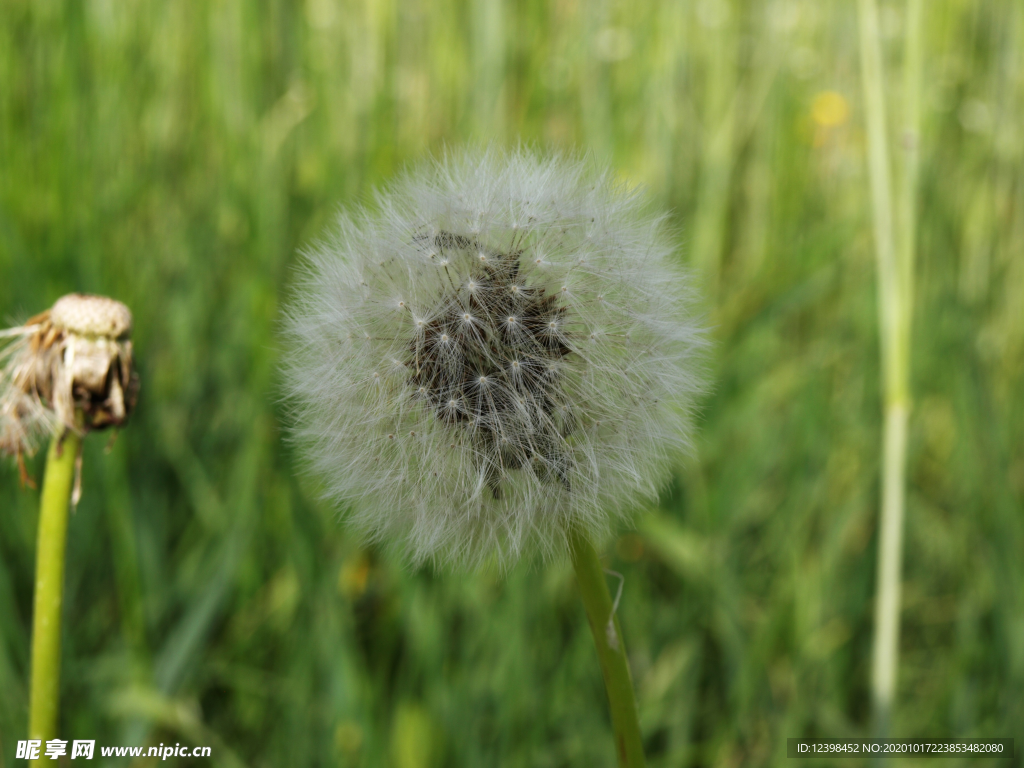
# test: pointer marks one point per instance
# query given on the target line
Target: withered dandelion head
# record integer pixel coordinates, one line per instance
(70, 367)
(503, 353)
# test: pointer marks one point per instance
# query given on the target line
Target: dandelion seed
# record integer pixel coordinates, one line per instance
(507, 381)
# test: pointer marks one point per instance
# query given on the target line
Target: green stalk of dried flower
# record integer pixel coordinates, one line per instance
(49, 589)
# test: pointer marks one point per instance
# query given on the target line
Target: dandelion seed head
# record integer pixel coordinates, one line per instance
(545, 283)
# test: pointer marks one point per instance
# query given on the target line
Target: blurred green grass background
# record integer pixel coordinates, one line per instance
(177, 156)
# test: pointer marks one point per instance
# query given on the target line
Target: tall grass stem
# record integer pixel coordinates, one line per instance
(611, 651)
(895, 256)
(44, 697)
(717, 158)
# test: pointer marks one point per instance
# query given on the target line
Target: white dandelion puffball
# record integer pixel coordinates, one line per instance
(501, 354)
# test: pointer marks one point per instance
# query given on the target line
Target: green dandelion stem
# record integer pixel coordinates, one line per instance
(611, 651)
(44, 696)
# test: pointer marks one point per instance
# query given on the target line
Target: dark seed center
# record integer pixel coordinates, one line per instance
(486, 364)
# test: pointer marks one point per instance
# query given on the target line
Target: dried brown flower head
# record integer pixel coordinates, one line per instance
(67, 368)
